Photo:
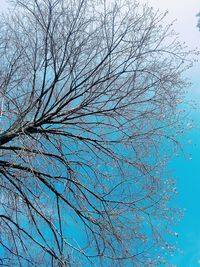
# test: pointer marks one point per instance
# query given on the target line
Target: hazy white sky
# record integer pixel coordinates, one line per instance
(2, 4)
(185, 12)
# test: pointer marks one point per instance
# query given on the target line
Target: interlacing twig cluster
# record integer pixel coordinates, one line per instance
(89, 96)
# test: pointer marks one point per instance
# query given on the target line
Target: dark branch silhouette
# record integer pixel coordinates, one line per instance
(89, 93)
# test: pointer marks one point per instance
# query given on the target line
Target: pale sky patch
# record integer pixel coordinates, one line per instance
(185, 13)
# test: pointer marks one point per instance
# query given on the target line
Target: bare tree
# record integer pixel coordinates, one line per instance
(89, 96)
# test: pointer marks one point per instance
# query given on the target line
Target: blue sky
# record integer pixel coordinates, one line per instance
(186, 169)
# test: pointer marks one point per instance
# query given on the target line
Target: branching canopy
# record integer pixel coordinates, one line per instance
(88, 103)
